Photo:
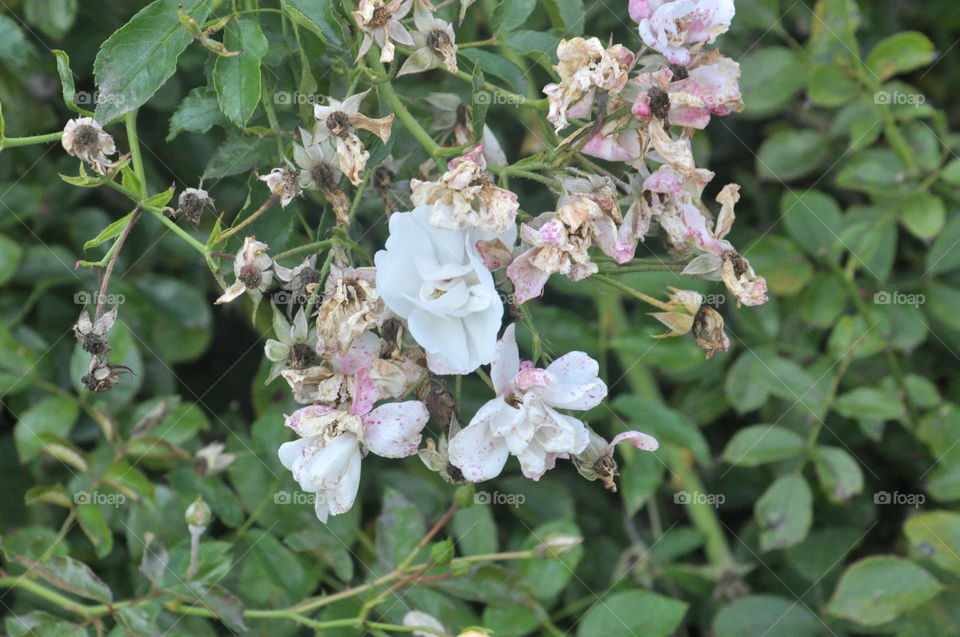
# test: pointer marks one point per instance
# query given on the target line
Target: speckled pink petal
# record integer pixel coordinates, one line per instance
(300, 420)
(637, 440)
(528, 280)
(363, 351)
(364, 392)
(393, 430)
(477, 454)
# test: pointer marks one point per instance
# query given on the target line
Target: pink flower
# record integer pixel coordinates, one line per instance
(672, 24)
(523, 419)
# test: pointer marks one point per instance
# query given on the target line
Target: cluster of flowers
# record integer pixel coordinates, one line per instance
(365, 338)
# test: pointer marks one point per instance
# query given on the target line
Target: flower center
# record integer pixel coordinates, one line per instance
(381, 15)
(439, 42)
(383, 177)
(301, 356)
(87, 137)
(659, 102)
(323, 176)
(250, 276)
(338, 123)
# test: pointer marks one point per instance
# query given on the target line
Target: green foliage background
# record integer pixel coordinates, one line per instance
(808, 479)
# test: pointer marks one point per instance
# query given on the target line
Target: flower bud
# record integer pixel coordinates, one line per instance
(198, 514)
(463, 496)
(441, 553)
(559, 546)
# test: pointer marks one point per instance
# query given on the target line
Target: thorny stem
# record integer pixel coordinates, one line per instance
(115, 249)
(223, 236)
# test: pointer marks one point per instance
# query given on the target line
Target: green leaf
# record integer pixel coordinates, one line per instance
(830, 85)
(318, 17)
(771, 77)
(665, 424)
(766, 616)
(823, 552)
(839, 473)
(784, 512)
(824, 301)
(813, 219)
(880, 588)
(64, 451)
(633, 612)
(66, 82)
(935, 536)
(53, 17)
(72, 576)
(499, 66)
(475, 530)
(872, 171)
(237, 77)
(10, 254)
(549, 577)
(111, 231)
(784, 266)
(740, 386)
(759, 444)
(94, 526)
(900, 53)
(923, 215)
(870, 234)
(399, 529)
(566, 15)
(41, 624)
(790, 154)
(239, 154)
(833, 29)
(866, 402)
(951, 172)
(512, 13)
(139, 57)
(480, 106)
(52, 414)
(197, 113)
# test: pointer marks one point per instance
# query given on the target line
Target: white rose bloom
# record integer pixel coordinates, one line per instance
(437, 281)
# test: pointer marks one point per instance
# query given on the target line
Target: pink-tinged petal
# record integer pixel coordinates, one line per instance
(575, 367)
(291, 451)
(475, 450)
(614, 147)
(534, 378)
(304, 421)
(495, 254)
(528, 280)
(393, 430)
(581, 110)
(364, 392)
(638, 10)
(637, 440)
(506, 361)
(362, 352)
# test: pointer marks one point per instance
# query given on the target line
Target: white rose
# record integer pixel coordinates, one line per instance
(436, 280)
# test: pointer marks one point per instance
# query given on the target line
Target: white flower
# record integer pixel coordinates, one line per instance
(672, 24)
(192, 203)
(435, 44)
(466, 197)
(350, 307)
(380, 22)
(326, 459)
(253, 268)
(437, 281)
(284, 182)
(85, 138)
(294, 348)
(211, 459)
(523, 419)
(338, 121)
(319, 170)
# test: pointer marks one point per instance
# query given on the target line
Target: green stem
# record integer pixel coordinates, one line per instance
(135, 155)
(12, 142)
(386, 91)
(623, 287)
(307, 247)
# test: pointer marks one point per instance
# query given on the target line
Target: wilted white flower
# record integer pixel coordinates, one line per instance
(192, 203)
(584, 66)
(350, 307)
(319, 170)
(326, 459)
(689, 96)
(380, 22)
(687, 313)
(523, 419)
(294, 346)
(668, 26)
(465, 197)
(283, 182)
(300, 280)
(338, 120)
(253, 268)
(102, 375)
(434, 42)
(85, 139)
(436, 280)
(596, 461)
(211, 459)
(94, 336)
(453, 114)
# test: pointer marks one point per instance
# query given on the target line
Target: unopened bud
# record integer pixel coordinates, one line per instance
(441, 553)
(559, 546)
(463, 496)
(198, 514)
